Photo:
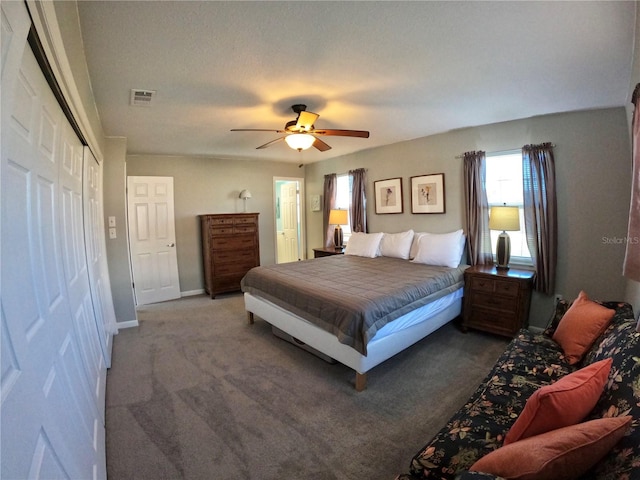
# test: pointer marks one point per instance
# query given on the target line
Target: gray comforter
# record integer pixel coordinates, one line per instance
(352, 297)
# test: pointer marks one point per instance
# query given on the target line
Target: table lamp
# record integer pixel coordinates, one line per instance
(337, 218)
(506, 219)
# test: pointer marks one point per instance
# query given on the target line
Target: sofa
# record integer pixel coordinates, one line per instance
(536, 362)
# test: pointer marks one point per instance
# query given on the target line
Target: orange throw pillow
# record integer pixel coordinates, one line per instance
(563, 403)
(583, 323)
(566, 453)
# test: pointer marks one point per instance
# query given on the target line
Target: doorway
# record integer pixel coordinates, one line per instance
(288, 194)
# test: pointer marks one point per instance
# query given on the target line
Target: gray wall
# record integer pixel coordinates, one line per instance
(210, 185)
(118, 248)
(592, 168)
(633, 287)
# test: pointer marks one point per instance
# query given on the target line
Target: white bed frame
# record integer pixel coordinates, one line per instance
(378, 350)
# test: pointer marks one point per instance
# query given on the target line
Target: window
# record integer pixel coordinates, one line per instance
(504, 186)
(343, 200)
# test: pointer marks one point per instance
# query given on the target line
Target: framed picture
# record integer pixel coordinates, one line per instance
(427, 193)
(388, 195)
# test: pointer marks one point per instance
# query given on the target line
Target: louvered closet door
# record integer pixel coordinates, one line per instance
(52, 415)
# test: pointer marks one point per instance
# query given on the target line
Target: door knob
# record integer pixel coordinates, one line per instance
(171, 244)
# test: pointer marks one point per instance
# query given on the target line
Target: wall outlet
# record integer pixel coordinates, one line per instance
(557, 297)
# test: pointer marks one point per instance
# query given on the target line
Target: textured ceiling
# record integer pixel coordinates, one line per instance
(401, 70)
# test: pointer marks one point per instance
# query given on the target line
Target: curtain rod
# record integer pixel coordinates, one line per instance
(501, 151)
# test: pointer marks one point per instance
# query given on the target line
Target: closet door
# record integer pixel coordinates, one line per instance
(97, 254)
(52, 416)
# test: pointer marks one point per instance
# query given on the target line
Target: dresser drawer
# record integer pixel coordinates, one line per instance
(222, 221)
(235, 242)
(233, 256)
(244, 221)
(234, 268)
(244, 228)
(227, 283)
(221, 230)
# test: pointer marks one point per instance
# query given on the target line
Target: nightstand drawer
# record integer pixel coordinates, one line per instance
(494, 322)
(507, 288)
(482, 284)
(498, 302)
(491, 285)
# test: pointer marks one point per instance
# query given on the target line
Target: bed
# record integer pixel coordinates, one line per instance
(359, 310)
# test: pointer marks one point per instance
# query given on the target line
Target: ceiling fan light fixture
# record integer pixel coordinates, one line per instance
(300, 141)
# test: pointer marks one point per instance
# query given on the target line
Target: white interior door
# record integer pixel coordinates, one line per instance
(152, 239)
(53, 371)
(289, 212)
(289, 219)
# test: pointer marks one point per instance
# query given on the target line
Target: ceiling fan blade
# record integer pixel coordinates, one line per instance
(320, 145)
(306, 120)
(256, 130)
(342, 133)
(270, 143)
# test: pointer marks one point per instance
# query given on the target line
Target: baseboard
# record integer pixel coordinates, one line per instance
(192, 293)
(129, 324)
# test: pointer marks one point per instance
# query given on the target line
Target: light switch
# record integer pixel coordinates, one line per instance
(112, 233)
(112, 221)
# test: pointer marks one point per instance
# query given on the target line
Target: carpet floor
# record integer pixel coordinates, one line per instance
(195, 392)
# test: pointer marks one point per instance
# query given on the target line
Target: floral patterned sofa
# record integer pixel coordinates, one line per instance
(530, 362)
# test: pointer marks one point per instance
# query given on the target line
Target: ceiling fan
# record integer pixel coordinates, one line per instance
(301, 133)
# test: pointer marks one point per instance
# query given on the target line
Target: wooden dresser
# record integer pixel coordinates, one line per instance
(496, 301)
(230, 248)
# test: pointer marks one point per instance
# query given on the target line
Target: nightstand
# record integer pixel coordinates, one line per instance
(326, 252)
(496, 301)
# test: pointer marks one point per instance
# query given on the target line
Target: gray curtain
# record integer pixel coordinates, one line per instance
(477, 209)
(631, 268)
(328, 203)
(540, 212)
(358, 207)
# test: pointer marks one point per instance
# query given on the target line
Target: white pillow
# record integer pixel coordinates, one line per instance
(442, 249)
(396, 245)
(363, 244)
(414, 244)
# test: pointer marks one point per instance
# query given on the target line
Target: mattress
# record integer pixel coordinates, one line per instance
(352, 297)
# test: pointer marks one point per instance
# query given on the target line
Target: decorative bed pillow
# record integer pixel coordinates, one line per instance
(396, 245)
(583, 323)
(442, 249)
(565, 453)
(414, 244)
(563, 403)
(363, 244)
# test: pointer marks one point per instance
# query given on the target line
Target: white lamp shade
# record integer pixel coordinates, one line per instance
(299, 141)
(338, 217)
(244, 194)
(504, 218)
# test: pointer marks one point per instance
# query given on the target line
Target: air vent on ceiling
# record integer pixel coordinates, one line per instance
(142, 98)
